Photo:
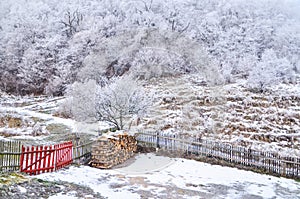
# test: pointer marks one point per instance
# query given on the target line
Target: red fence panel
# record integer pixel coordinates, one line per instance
(41, 159)
(63, 154)
(38, 159)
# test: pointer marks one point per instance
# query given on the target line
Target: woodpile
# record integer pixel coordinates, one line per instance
(109, 151)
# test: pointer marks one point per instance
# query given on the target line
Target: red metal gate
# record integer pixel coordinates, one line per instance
(41, 159)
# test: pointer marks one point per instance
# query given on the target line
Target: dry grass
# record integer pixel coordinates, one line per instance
(233, 113)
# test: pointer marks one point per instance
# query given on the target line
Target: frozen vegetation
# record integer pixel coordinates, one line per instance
(47, 45)
(223, 70)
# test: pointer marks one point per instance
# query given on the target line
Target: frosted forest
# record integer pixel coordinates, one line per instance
(48, 45)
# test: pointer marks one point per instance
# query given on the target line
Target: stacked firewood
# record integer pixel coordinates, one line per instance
(113, 150)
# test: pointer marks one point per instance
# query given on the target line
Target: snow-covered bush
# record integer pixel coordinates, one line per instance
(65, 108)
(270, 70)
(80, 102)
(120, 99)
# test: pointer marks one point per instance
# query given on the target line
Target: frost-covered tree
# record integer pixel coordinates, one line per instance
(42, 41)
(153, 52)
(120, 100)
(236, 31)
(80, 102)
(270, 70)
(94, 67)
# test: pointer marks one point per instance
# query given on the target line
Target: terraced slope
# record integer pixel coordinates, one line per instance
(231, 113)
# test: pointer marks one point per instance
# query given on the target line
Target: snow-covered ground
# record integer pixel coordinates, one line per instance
(228, 113)
(184, 105)
(151, 176)
(30, 118)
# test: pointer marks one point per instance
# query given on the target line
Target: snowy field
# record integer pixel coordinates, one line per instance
(151, 176)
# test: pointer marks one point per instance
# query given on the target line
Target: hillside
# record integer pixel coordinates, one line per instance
(183, 105)
(46, 46)
(232, 113)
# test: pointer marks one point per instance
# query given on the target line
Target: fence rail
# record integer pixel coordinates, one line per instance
(270, 163)
(82, 152)
(38, 159)
(10, 152)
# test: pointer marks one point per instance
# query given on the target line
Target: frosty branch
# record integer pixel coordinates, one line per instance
(120, 100)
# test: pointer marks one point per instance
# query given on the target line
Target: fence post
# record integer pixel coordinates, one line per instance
(283, 167)
(157, 140)
(22, 159)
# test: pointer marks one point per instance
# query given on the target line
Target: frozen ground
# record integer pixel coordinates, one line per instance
(183, 105)
(151, 176)
(34, 120)
(229, 113)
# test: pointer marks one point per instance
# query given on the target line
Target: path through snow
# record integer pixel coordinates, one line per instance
(89, 128)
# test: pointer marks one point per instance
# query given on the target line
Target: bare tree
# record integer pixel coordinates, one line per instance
(122, 99)
(72, 22)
